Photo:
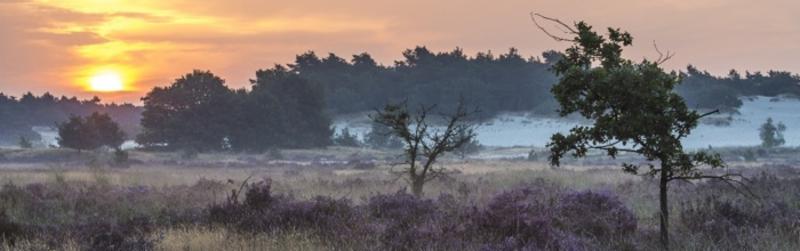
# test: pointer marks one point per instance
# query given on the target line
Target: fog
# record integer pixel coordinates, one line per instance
(521, 130)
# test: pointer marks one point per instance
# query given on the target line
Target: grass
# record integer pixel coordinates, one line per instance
(473, 181)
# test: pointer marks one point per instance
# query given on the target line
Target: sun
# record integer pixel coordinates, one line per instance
(107, 81)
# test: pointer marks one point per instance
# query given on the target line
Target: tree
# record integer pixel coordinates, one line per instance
(633, 107)
(771, 135)
(424, 144)
(192, 113)
(380, 136)
(106, 132)
(73, 134)
(471, 147)
(92, 132)
(25, 143)
(345, 138)
(296, 107)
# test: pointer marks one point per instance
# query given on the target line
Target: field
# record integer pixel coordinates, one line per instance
(350, 199)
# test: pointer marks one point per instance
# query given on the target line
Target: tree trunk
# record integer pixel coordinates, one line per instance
(416, 186)
(664, 209)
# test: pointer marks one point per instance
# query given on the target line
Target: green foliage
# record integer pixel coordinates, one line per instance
(19, 115)
(120, 158)
(495, 83)
(345, 138)
(198, 112)
(194, 112)
(25, 143)
(633, 107)
(771, 135)
(91, 132)
(380, 136)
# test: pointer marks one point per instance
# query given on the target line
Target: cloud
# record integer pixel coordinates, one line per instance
(52, 45)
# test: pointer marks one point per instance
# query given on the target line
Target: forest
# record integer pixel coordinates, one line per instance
(496, 84)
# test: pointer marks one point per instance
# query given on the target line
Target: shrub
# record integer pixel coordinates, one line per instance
(522, 219)
(134, 234)
(9, 230)
(599, 215)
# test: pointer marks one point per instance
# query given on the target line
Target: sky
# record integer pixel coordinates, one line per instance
(63, 46)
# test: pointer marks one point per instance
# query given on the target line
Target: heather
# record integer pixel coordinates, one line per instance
(497, 205)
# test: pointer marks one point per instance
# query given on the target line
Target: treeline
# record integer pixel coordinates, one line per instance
(289, 106)
(706, 91)
(507, 82)
(199, 113)
(495, 83)
(19, 115)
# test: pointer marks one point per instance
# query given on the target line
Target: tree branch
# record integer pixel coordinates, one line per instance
(661, 58)
(569, 29)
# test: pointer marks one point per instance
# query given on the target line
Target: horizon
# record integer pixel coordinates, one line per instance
(118, 51)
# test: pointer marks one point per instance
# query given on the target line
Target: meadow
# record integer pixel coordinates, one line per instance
(349, 199)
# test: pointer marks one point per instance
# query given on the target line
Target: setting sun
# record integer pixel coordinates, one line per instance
(109, 81)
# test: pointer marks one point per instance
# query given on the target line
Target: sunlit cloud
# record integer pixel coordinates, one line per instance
(58, 46)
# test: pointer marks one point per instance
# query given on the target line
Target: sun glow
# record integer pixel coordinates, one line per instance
(107, 81)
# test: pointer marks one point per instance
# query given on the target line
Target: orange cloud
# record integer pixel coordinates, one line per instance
(53, 45)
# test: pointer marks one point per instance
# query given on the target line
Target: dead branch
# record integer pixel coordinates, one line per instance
(662, 58)
(560, 25)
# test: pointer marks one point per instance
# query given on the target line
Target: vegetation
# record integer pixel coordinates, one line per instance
(424, 144)
(494, 205)
(492, 82)
(25, 143)
(199, 113)
(380, 136)
(19, 115)
(89, 133)
(345, 138)
(771, 135)
(507, 82)
(633, 108)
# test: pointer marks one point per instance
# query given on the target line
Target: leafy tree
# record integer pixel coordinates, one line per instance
(105, 131)
(193, 112)
(423, 144)
(771, 135)
(345, 138)
(73, 134)
(25, 143)
(18, 116)
(290, 111)
(633, 107)
(381, 136)
(91, 132)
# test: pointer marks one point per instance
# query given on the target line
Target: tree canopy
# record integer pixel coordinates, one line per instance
(198, 112)
(90, 132)
(19, 115)
(633, 108)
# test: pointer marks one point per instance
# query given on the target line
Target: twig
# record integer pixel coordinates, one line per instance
(569, 30)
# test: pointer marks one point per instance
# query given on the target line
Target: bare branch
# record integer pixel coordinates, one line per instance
(709, 113)
(561, 26)
(662, 58)
(729, 179)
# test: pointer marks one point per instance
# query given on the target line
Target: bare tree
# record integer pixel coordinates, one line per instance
(424, 143)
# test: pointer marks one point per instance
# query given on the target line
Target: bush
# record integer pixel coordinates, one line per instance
(134, 234)
(599, 215)
(9, 230)
(523, 219)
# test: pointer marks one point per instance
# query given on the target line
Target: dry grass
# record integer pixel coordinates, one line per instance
(198, 239)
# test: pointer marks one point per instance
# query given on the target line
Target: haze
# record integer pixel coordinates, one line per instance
(58, 46)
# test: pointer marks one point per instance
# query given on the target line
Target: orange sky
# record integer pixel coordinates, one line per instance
(59, 45)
